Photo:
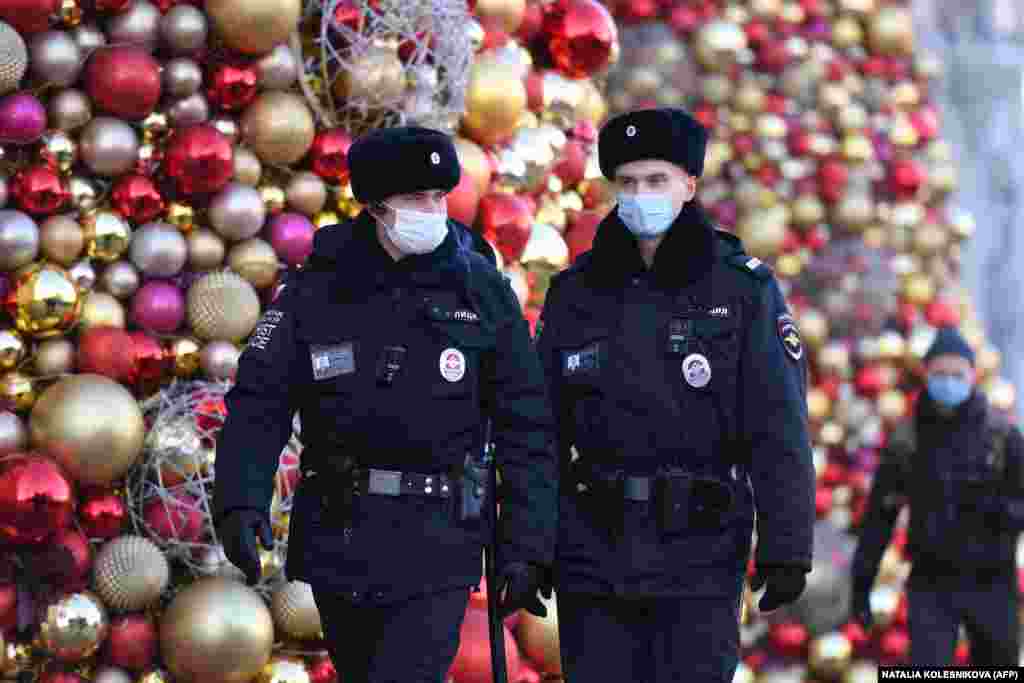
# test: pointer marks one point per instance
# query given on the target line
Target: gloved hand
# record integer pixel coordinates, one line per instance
(860, 602)
(785, 584)
(241, 532)
(517, 588)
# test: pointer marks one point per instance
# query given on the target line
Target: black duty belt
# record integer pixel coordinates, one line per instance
(393, 483)
(641, 488)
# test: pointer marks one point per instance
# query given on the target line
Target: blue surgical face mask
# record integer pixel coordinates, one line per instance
(949, 390)
(647, 215)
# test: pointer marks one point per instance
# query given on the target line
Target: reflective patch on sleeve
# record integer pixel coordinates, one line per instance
(264, 330)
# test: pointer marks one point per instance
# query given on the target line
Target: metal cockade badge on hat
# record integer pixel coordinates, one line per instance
(435, 158)
(697, 370)
(630, 131)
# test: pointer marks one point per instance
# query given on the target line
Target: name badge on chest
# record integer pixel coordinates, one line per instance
(332, 360)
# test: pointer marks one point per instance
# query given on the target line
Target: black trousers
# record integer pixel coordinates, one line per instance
(663, 640)
(411, 642)
(986, 605)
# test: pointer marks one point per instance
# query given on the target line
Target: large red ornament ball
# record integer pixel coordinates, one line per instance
(66, 560)
(328, 155)
(573, 164)
(906, 176)
(102, 514)
(39, 190)
(473, 660)
(506, 221)
(232, 86)
(788, 638)
(581, 232)
(464, 200)
(106, 350)
(150, 362)
(822, 501)
(833, 177)
(29, 16)
(856, 634)
(36, 498)
(322, 670)
(137, 198)
(132, 643)
(123, 81)
(581, 36)
(199, 159)
(894, 646)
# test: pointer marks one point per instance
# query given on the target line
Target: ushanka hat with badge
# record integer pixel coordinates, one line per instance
(390, 161)
(667, 133)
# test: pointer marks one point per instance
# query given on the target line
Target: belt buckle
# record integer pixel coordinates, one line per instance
(385, 482)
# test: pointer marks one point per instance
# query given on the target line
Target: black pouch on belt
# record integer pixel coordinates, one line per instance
(673, 492)
(472, 492)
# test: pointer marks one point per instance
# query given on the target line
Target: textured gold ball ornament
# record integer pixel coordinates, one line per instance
(74, 626)
(96, 447)
(130, 573)
(254, 27)
(45, 302)
(295, 612)
(17, 392)
(13, 58)
(223, 306)
(278, 127)
(891, 31)
(216, 631)
(719, 43)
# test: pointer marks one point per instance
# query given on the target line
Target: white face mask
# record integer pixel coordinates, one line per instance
(417, 232)
(646, 215)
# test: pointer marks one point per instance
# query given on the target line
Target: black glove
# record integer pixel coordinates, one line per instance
(517, 588)
(240, 532)
(860, 602)
(785, 584)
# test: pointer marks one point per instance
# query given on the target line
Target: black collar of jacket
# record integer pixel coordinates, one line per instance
(930, 413)
(351, 251)
(686, 255)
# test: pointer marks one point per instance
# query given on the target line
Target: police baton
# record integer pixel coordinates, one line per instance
(496, 628)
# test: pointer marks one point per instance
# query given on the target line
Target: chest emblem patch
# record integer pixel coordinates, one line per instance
(453, 365)
(697, 370)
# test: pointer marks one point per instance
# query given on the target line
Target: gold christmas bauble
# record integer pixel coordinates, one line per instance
(861, 672)
(216, 631)
(74, 626)
(891, 31)
(107, 235)
(130, 573)
(808, 210)
(17, 392)
(819, 405)
(505, 15)
(61, 240)
(847, 32)
(918, 289)
(495, 101)
(95, 446)
(295, 612)
(813, 327)
(892, 405)
(185, 355)
(101, 309)
(222, 306)
(283, 669)
(375, 78)
(306, 192)
(13, 58)
(278, 126)
(44, 300)
(830, 654)
(205, 249)
(719, 43)
(54, 357)
(254, 27)
(764, 231)
(13, 349)
(475, 163)
(538, 636)
(255, 260)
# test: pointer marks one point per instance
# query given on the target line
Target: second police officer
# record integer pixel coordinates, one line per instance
(677, 377)
(395, 343)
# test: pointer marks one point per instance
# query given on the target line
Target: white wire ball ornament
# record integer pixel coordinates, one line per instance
(170, 491)
(388, 62)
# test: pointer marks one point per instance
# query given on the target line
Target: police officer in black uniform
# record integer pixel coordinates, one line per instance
(395, 343)
(960, 467)
(678, 381)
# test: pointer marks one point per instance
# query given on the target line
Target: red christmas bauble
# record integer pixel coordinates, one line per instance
(833, 177)
(136, 198)
(463, 200)
(871, 380)
(322, 670)
(572, 165)
(822, 501)
(177, 516)
(199, 159)
(29, 16)
(856, 634)
(683, 19)
(789, 638)
(581, 35)
(534, 91)
(328, 155)
(942, 313)
(123, 81)
(112, 6)
(472, 662)
(66, 559)
(102, 514)
(962, 654)
(533, 21)
(834, 474)
(37, 498)
(288, 473)
(132, 643)
(348, 13)
(773, 56)
(894, 646)
(104, 350)
(210, 414)
(506, 221)
(8, 607)
(636, 11)
(57, 676)
(40, 190)
(926, 122)
(232, 86)
(906, 177)
(579, 236)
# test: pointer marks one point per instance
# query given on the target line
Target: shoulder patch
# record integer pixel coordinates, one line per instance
(751, 265)
(789, 335)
